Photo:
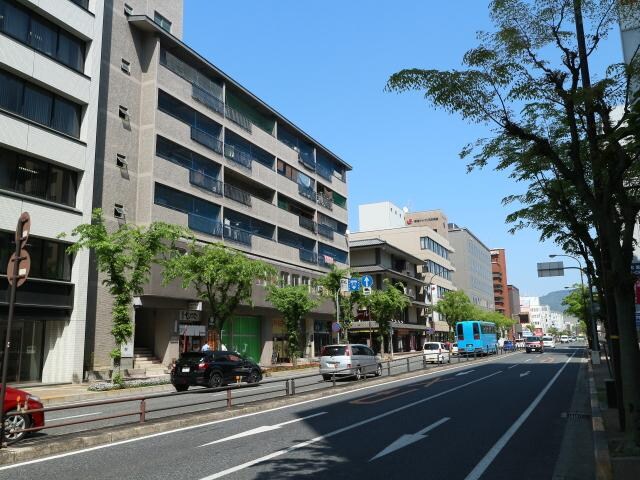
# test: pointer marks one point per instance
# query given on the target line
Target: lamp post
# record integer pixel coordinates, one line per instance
(595, 352)
(431, 302)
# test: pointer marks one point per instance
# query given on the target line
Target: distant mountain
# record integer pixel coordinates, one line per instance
(554, 300)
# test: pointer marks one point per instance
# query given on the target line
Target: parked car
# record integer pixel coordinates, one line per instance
(533, 344)
(435, 352)
(454, 349)
(14, 401)
(548, 341)
(350, 359)
(508, 346)
(520, 343)
(213, 368)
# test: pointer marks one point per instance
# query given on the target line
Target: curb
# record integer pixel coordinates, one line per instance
(68, 443)
(604, 470)
(123, 392)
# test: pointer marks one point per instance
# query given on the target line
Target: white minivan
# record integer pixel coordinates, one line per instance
(564, 339)
(435, 352)
(349, 360)
(548, 341)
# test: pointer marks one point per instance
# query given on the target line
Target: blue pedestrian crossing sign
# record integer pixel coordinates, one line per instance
(354, 284)
(367, 281)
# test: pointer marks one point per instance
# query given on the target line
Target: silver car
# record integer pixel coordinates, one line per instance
(350, 359)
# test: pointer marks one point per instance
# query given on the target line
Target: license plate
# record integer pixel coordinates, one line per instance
(185, 369)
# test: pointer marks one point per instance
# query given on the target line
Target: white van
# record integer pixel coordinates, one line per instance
(435, 352)
(564, 339)
(349, 360)
(548, 341)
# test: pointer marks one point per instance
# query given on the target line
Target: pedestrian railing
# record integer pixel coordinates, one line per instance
(282, 387)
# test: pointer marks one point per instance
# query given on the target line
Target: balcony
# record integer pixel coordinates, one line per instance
(205, 181)
(237, 194)
(307, 192)
(206, 225)
(238, 156)
(325, 201)
(306, 158)
(207, 99)
(237, 235)
(238, 118)
(206, 139)
(308, 256)
(324, 172)
(325, 231)
(307, 223)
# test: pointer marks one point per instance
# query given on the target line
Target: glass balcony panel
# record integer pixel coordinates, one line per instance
(203, 180)
(237, 194)
(307, 223)
(234, 234)
(237, 156)
(207, 99)
(206, 225)
(206, 139)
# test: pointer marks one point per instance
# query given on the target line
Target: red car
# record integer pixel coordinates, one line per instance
(15, 400)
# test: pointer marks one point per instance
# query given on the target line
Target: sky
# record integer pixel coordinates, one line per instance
(324, 65)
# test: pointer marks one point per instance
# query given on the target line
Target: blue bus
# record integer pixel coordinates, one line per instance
(476, 336)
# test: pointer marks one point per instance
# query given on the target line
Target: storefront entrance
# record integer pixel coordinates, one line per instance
(25, 349)
(242, 334)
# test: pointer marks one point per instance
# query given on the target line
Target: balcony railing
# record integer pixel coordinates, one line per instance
(207, 99)
(325, 201)
(203, 180)
(205, 225)
(234, 193)
(308, 256)
(306, 158)
(307, 223)
(307, 192)
(238, 156)
(324, 172)
(234, 234)
(238, 118)
(206, 139)
(325, 231)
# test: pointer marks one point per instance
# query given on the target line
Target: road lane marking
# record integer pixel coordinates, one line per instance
(525, 373)
(382, 396)
(405, 440)
(512, 366)
(527, 361)
(246, 415)
(306, 443)
(265, 428)
(72, 416)
(464, 373)
(480, 468)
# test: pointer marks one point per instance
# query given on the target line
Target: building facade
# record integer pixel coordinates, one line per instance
(49, 86)
(472, 261)
(383, 260)
(184, 143)
(500, 284)
(377, 216)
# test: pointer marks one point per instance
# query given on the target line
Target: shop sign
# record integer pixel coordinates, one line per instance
(188, 316)
(193, 330)
(195, 306)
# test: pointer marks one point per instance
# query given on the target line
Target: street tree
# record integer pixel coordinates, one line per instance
(502, 322)
(530, 80)
(455, 306)
(294, 302)
(222, 277)
(385, 305)
(124, 256)
(330, 283)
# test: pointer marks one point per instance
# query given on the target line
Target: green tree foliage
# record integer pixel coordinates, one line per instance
(294, 302)
(553, 131)
(330, 283)
(455, 306)
(221, 276)
(576, 303)
(124, 256)
(386, 304)
(503, 323)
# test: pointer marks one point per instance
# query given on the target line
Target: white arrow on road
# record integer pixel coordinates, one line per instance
(464, 373)
(264, 428)
(525, 374)
(405, 440)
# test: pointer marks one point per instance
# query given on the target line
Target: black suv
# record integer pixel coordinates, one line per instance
(213, 369)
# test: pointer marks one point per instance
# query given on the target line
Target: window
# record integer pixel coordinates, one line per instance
(125, 66)
(184, 157)
(49, 259)
(163, 22)
(433, 267)
(121, 160)
(427, 243)
(295, 280)
(174, 107)
(31, 29)
(37, 178)
(123, 112)
(284, 278)
(183, 202)
(82, 3)
(119, 211)
(38, 105)
(128, 9)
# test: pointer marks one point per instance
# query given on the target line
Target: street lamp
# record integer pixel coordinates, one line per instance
(431, 302)
(595, 353)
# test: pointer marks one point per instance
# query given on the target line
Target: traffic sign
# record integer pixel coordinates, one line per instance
(366, 291)
(344, 285)
(24, 265)
(354, 284)
(367, 281)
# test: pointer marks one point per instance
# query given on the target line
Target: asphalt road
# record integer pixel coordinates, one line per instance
(499, 419)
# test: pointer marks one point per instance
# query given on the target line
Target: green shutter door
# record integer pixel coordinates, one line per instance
(242, 334)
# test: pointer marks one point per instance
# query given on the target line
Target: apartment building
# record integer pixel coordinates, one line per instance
(49, 85)
(383, 260)
(184, 143)
(472, 260)
(500, 284)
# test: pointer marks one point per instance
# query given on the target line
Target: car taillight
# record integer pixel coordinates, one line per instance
(476, 336)
(347, 352)
(202, 366)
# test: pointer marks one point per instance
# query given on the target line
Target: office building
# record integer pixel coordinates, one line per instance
(472, 261)
(49, 85)
(186, 144)
(500, 284)
(383, 260)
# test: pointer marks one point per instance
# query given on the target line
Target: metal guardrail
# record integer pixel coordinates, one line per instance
(407, 364)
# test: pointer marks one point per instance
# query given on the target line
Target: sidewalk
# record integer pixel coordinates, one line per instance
(606, 426)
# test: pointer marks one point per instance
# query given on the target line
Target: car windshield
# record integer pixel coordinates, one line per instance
(533, 339)
(431, 346)
(334, 350)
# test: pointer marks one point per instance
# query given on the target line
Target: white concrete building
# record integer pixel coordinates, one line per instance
(49, 85)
